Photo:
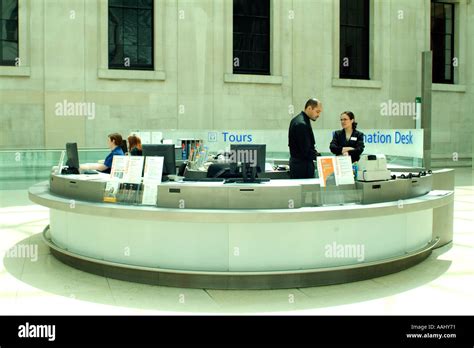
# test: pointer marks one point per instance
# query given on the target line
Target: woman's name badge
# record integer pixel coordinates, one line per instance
(353, 138)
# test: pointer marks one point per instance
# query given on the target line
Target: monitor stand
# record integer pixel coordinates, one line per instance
(249, 176)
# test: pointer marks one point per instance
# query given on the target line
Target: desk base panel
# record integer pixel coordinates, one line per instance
(239, 280)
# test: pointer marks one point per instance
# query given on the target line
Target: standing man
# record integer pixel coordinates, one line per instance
(301, 141)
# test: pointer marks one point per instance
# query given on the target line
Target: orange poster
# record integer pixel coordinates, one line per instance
(325, 168)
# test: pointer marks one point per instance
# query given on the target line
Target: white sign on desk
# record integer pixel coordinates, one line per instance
(151, 179)
(135, 169)
(127, 169)
(343, 171)
(153, 168)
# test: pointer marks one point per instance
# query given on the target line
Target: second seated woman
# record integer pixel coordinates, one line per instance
(134, 145)
(348, 141)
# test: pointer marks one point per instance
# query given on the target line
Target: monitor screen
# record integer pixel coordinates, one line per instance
(72, 158)
(254, 154)
(165, 150)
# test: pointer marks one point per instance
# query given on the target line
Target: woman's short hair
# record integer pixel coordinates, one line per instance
(116, 138)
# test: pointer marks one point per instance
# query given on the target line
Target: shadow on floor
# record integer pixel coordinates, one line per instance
(47, 274)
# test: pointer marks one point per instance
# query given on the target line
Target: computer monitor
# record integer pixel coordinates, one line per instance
(250, 158)
(164, 150)
(123, 146)
(72, 159)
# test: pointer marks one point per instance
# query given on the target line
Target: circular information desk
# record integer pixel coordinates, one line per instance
(241, 248)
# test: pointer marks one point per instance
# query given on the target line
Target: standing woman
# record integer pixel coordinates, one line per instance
(134, 145)
(348, 141)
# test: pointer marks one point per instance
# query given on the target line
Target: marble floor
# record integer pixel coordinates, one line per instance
(441, 285)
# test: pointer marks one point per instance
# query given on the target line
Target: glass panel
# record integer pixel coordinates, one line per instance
(354, 43)
(116, 25)
(447, 72)
(115, 3)
(144, 18)
(10, 51)
(145, 4)
(36, 165)
(116, 55)
(131, 52)
(145, 55)
(10, 30)
(343, 12)
(9, 9)
(3, 32)
(448, 26)
(439, 11)
(130, 32)
(131, 25)
(251, 36)
(448, 11)
(448, 56)
(130, 3)
(145, 36)
(447, 41)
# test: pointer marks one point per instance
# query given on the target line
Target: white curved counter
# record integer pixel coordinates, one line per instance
(243, 248)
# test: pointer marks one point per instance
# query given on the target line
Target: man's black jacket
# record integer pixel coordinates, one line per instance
(301, 138)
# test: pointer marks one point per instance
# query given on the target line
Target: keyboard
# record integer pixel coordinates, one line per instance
(204, 179)
(88, 172)
(241, 181)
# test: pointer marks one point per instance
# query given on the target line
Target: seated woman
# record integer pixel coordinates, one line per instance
(134, 145)
(348, 141)
(113, 142)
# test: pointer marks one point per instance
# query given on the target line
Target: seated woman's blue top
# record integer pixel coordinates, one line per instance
(108, 160)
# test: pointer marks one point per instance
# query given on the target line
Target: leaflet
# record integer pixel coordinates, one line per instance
(127, 169)
(344, 173)
(326, 165)
(334, 170)
(111, 191)
(119, 167)
(150, 192)
(151, 179)
(153, 168)
(135, 169)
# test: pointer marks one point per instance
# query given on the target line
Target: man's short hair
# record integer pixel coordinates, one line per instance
(313, 102)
